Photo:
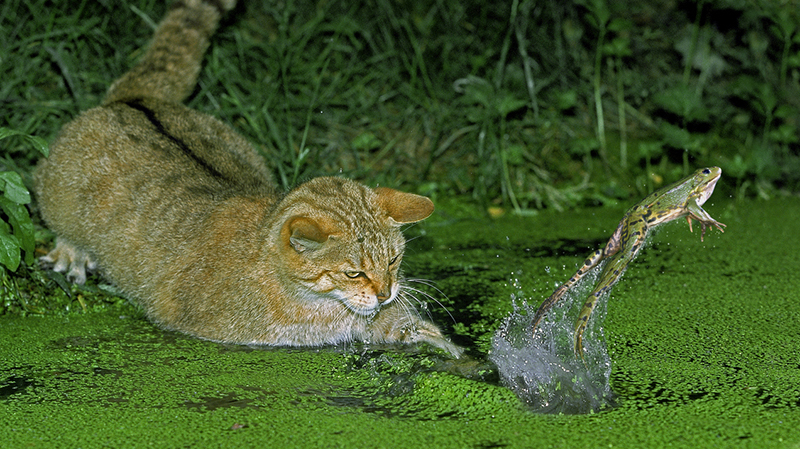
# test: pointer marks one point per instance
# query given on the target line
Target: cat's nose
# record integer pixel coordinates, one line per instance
(384, 292)
(383, 295)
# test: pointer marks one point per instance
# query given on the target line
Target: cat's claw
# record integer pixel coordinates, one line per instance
(434, 337)
(65, 258)
(454, 350)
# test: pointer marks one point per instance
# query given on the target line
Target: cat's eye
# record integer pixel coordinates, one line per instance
(354, 274)
(394, 259)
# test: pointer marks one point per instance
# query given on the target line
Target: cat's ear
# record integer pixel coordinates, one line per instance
(306, 234)
(403, 207)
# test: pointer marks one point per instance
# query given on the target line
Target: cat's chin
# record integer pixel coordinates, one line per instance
(360, 310)
(357, 306)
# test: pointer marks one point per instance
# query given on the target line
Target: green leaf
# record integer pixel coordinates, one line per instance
(23, 226)
(618, 25)
(650, 149)
(682, 101)
(600, 12)
(514, 154)
(366, 141)
(9, 250)
(736, 167)
(38, 143)
(618, 46)
(793, 60)
(678, 137)
(508, 104)
(584, 146)
(566, 99)
(785, 133)
(787, 23)
(13, 188)
(785, 111)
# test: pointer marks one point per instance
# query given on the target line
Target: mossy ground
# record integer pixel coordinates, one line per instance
(701, 337)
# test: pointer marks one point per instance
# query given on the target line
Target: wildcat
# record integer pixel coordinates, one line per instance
(180, 212)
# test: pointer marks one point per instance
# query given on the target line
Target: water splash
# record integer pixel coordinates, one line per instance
(542, 369)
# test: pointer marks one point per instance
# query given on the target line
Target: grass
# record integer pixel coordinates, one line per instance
(511, 106)
(376, 89)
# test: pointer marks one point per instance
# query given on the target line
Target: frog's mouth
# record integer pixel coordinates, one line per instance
(705, 194)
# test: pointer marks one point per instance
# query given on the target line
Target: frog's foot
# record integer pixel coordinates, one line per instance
(705, 224)
(580, 327)
(578, 343)
(66, 258)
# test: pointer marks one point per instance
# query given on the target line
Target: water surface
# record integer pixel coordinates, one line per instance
(701, 339)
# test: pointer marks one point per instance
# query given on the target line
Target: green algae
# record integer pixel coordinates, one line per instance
(701, 335)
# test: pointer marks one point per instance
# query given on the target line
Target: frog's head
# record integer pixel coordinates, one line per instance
(703, 182)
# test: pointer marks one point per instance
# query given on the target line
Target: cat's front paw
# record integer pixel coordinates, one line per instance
(412, 330)
(428, 333)
(66, 258)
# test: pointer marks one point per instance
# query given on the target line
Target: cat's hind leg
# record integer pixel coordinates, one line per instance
(69, 259)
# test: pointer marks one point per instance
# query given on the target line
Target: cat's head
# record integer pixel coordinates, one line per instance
(341, 241)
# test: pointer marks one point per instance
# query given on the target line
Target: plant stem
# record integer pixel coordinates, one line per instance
(598, 100)
(787, 44)
(506, 173)
(687, 70)
(501, 65)
(623, 134)
(520, 26)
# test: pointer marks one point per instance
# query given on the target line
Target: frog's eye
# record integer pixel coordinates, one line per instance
(354, 274)
(706, 171)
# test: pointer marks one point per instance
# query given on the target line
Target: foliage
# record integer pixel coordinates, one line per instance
(516, 106)
(493, 101)
(16, 227)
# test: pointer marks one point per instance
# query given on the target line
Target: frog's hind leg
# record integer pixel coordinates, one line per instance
(69, 259)
(611, 274)
(612, 247)
(583, 320)
(550, 302)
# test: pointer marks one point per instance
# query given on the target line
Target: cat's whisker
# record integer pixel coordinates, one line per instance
(413, 238)
(340, 320)
(423, 293)
(427, 295)
(410, 293)
(427, 283)
(408, 307)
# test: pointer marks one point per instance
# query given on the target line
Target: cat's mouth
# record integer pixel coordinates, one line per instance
(366, 305)
(366, 310)
(363, 310)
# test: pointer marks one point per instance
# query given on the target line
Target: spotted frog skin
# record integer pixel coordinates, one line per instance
(681, 199)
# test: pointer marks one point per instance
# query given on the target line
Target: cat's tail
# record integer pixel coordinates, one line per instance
(169, 69)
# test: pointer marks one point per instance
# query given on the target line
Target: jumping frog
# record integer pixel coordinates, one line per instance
(681, 199)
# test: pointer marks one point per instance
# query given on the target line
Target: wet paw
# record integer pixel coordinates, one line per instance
(66, 258)
(423, 332)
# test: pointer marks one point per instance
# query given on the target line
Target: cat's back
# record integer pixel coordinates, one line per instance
(132, 158)
(142, 149)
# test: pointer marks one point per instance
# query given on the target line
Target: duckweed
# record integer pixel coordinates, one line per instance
(700, 338)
